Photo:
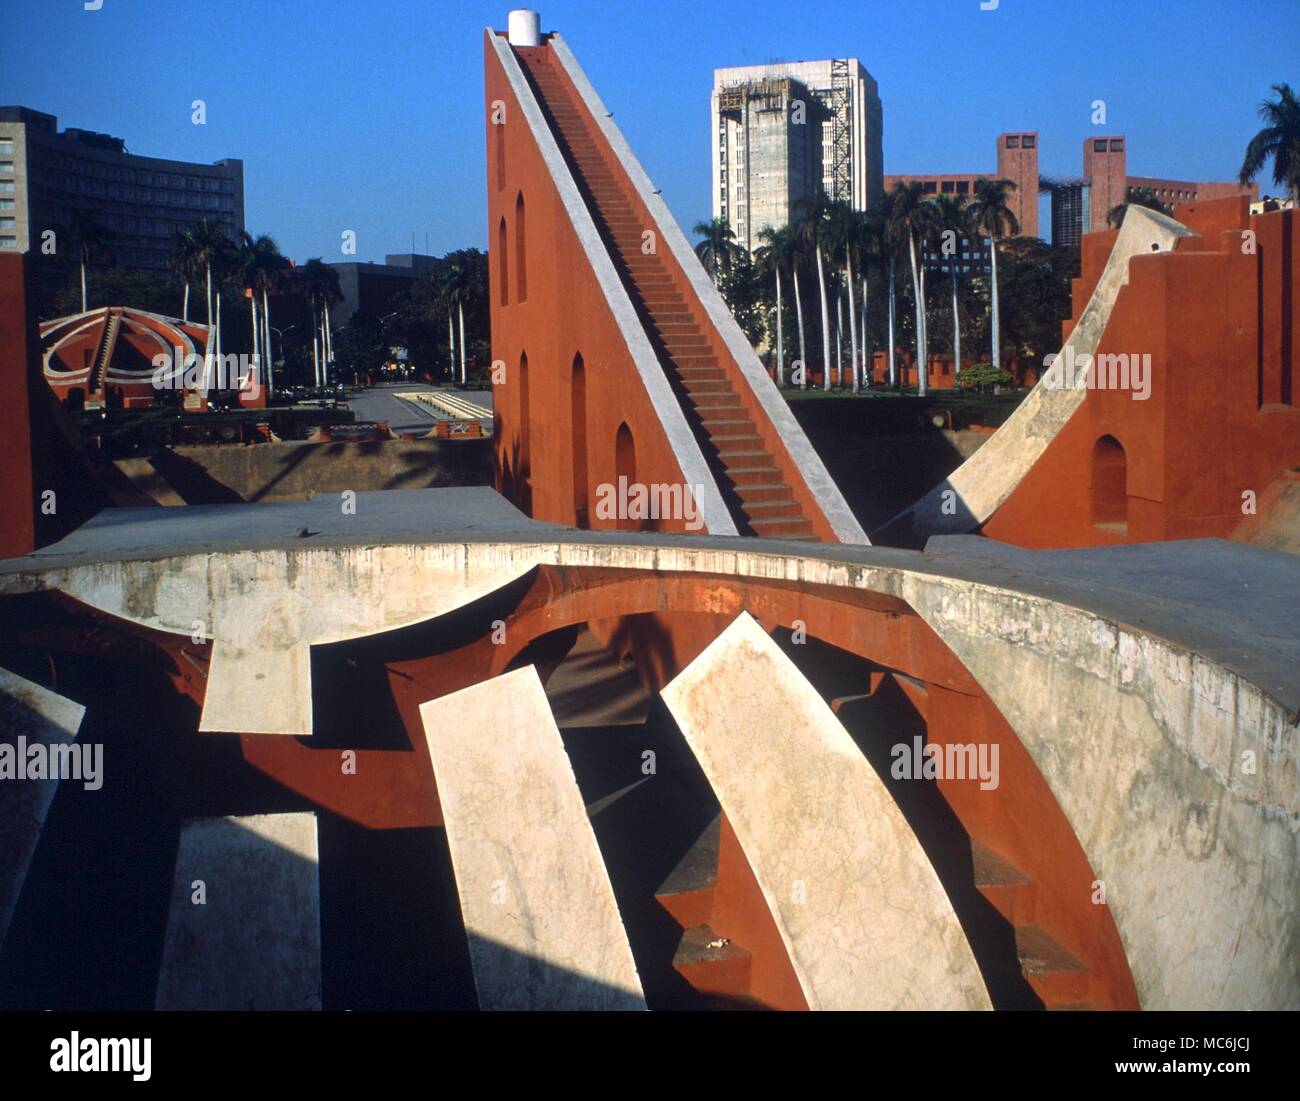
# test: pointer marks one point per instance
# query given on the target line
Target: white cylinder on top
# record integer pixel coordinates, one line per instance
(525, 28)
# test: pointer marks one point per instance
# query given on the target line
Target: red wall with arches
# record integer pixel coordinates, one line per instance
(1223, 417)
(548, 306)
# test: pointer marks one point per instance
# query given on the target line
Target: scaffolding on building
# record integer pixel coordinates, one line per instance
(839, 173)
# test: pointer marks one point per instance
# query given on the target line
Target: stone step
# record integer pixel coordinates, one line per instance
(1057, 976)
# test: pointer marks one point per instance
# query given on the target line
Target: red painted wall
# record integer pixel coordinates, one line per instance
(563, 316)
(17, 408)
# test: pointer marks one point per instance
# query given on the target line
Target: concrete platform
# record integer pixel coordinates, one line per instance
(544, 930)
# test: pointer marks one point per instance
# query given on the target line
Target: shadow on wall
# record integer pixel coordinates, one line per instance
(876, 721)
(880, 476)
(222, 474)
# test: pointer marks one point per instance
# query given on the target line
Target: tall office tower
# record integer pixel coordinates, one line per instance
(1018, 162)
(47, 174)
(1106, 168)
(1071, 210)
(782, 131)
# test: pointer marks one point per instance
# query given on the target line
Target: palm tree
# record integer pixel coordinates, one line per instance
(94, 242)
(210, 246)
(1280, 139)
(460, 285)
(911, 220)
(717, 247)
(989, 215)
(273, 268)
(259, 265)
(848, 231)
(950, 213)
(871, 256)
(222, 265)
(814, 229)
(772, 255)
(320, 282)
(187, 262)
(890, 247)
(1135, 196)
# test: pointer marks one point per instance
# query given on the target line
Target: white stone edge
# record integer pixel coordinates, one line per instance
(983, 482)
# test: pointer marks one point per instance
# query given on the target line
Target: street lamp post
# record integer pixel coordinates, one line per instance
(280, 333)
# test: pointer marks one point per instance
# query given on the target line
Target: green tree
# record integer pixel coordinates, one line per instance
(813, 229)
(912, 218)
(775, 253)
(717, 248)
(1280, 140)
(93, 242)
(1135, 196)
(992, 217)
(320, 283)
(953, 227)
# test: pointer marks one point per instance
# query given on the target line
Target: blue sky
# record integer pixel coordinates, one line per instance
(366, 114)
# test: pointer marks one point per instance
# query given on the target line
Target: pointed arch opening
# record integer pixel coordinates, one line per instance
(1109, 484)
(624, 473)
(578, 433)
(503, 262)
(521, 251)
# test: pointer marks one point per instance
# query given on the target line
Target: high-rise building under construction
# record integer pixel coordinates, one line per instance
(783, 131)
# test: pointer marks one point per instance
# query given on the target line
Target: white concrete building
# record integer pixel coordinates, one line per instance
(782, 130)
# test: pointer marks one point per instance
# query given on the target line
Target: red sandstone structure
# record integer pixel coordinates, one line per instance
(686, 766)
(108, 357)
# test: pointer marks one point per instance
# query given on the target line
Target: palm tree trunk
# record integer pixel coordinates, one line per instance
(853, 325)
(185, 304)
(925, 333)
(211, 349)
(920, 317)
(460, 315)
(257, 355)
(315, 350)
(798, 310)
(839, 341)
(266, 333)
(826, 322)
(451, 343)
(329, 341)
(83, 285)
(956, 326)
(993, 264)
(780, 343)
(868, 352)
(893, 368)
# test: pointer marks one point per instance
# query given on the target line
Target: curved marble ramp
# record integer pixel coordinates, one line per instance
(254, 939)
(38, 716)
(978, 487)
(865, 921)
(543, 926)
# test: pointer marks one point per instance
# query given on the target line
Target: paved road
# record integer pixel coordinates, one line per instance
(382, 404)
